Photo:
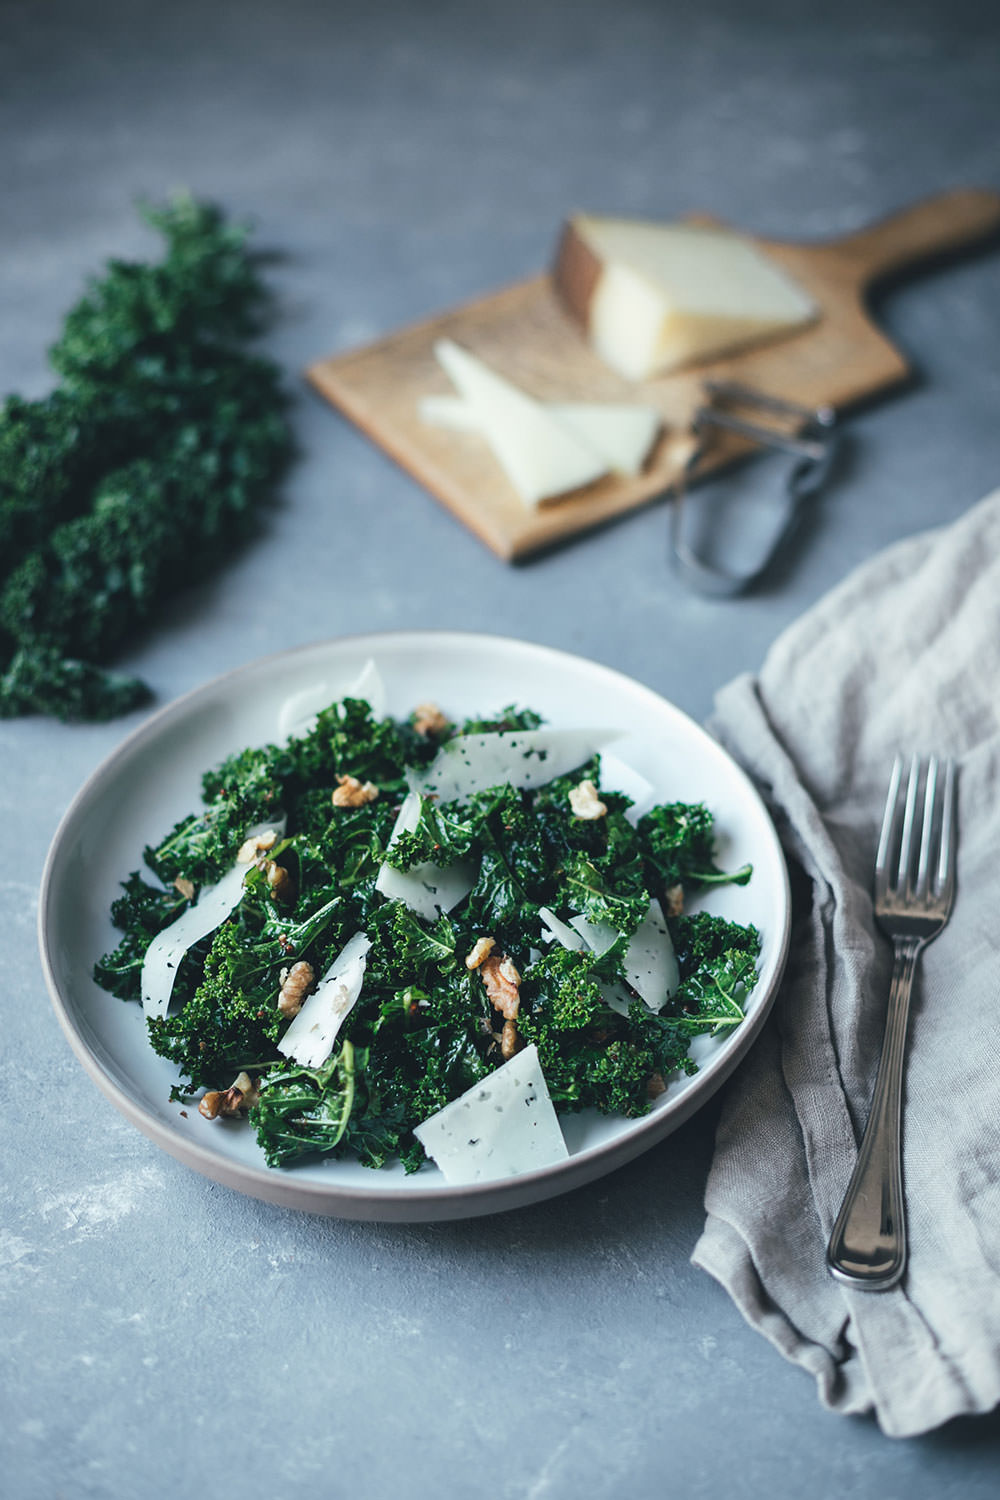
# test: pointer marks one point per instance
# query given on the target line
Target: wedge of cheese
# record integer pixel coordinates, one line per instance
(541, 456)
(622, 432)
(652, 297)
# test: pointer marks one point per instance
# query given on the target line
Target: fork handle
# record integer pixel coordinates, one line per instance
(867, 1248)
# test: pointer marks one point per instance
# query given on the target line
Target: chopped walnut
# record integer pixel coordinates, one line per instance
(256, 846)
(186, 887)
(480, 951)
(350, 792)
(502, 980)
(281, 883)
(510, 1042)
(673, 900)
(229, 1103)
(428, 719)
(296, 983)
(585, 802)
(655, 1086)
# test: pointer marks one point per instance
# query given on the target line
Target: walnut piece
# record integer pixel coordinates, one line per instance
(428, 719)
(296, 983)
(585, 802)
(510, 1042)
(281, 883)
(502, 981)
(186, 887)
(481, 950)
(673, 900)
(350, 792)
(655, 1086)
(229, 1103)
(250, 850)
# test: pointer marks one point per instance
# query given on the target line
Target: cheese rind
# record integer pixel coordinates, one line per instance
(652, 297)
(501, 1127)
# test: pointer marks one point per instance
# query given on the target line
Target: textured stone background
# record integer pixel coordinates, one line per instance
(165, 1336)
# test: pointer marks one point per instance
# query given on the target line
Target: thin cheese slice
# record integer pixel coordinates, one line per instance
(621, 432)
(501, 1127)
(526, 758)
(553, 927)
(650, 961)
(426, 889)
(165, 952)
(540, 456)
(649, 964)
(310, 1037)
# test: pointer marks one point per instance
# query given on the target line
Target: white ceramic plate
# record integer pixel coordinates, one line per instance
(153, 779)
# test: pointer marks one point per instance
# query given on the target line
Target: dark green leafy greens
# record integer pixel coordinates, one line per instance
(141, 471)
(424, 1029)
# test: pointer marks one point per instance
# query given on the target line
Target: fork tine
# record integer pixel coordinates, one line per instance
(945, 874)
(902, 879)
(921, 884)
(888, 822)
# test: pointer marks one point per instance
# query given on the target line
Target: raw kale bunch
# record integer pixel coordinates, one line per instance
(141, 471)
(424, 1030)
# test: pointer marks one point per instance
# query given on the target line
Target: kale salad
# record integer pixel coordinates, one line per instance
(365, 924)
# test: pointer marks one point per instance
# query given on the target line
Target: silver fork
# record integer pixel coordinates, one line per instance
(914, 889)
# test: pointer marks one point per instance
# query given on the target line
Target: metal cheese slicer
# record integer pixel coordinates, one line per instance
(807, 435)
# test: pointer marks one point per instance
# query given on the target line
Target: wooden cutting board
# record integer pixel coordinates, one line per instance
(523, 332)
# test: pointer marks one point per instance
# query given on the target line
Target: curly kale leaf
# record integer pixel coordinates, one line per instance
(444, 832)
(141, 912)
(231, 1022)
(41, 679)
(718, 968)
(246, 789)
(617, 895)
(348, 740)
(508, 719)
(408, 945)
(678, 840)
(305, 1110)
(141, 471)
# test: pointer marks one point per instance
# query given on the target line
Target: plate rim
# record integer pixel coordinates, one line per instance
(380, 1202)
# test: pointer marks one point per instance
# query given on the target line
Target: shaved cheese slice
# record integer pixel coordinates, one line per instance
(622, 432)
(165, 952)
(453, 412)
(650, 962)
(310, 1037)
(540, 456)
(554, 928)
(499, 1128)
(618, 776)
(426, 889)
(299, 711)
(598, 936)
(526, 758)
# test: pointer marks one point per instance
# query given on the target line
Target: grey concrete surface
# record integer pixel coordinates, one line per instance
(160, 1335)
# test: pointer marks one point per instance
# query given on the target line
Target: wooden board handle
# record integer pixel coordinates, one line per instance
(937, 227)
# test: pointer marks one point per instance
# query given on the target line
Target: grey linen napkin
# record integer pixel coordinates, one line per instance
(904, 655)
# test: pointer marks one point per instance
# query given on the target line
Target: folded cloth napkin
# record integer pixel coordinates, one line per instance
(903, 656)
